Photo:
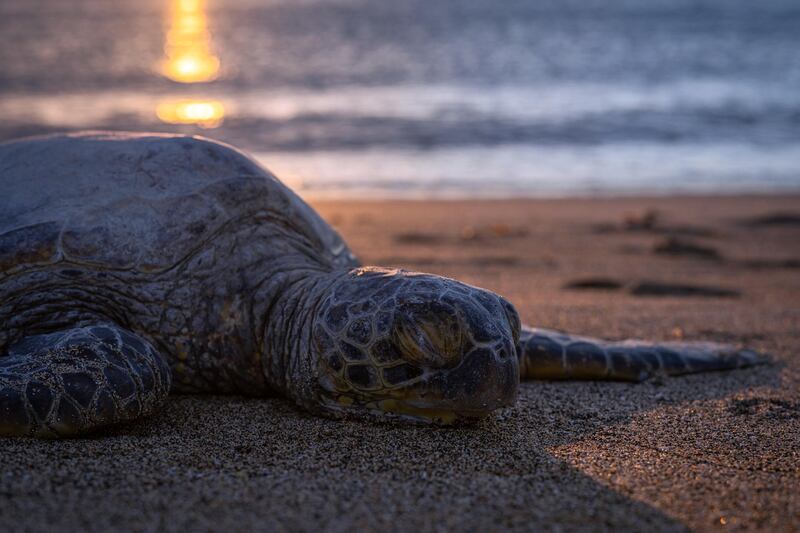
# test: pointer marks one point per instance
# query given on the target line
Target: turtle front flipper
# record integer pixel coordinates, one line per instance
(75, 380)
(546, 354)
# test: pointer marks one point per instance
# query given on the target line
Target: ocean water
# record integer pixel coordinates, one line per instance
(430, 98)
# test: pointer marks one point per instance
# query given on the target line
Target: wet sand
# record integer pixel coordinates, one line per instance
(705, 452)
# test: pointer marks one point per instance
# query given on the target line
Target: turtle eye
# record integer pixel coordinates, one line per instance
(429, 334)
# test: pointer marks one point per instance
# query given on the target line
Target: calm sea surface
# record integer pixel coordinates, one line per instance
(430, 97)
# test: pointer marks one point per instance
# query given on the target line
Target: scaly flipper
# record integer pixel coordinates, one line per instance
(547, 354)
(75, 380)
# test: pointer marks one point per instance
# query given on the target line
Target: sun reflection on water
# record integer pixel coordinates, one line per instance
(188, 47)
(204, 113)
(190, 59)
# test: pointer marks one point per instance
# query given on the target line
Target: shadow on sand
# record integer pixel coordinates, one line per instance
(231, 462)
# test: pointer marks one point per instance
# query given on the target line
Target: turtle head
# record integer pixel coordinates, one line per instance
(396, 344)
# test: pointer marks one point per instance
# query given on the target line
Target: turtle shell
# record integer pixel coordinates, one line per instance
(138, 201)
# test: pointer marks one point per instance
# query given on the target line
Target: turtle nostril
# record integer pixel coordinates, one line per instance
(513, 319)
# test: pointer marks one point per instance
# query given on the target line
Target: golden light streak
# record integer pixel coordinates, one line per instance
(189, 59)
(188, 47)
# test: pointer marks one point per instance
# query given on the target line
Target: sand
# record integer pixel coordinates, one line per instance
(702, 452)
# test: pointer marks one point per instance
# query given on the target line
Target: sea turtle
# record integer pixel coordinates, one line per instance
(132, 265)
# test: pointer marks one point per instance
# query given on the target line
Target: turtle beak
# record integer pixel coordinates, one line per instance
(483, 382)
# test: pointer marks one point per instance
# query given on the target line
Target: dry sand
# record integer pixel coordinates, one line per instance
(705, 452)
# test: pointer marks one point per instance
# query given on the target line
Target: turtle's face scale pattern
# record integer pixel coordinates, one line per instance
(414, 346)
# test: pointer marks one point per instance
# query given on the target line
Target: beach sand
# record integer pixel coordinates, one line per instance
(705, 452)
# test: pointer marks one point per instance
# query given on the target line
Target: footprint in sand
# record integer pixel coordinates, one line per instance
(653, 288)
(770, 408)
(674, 246)
(777, 218)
